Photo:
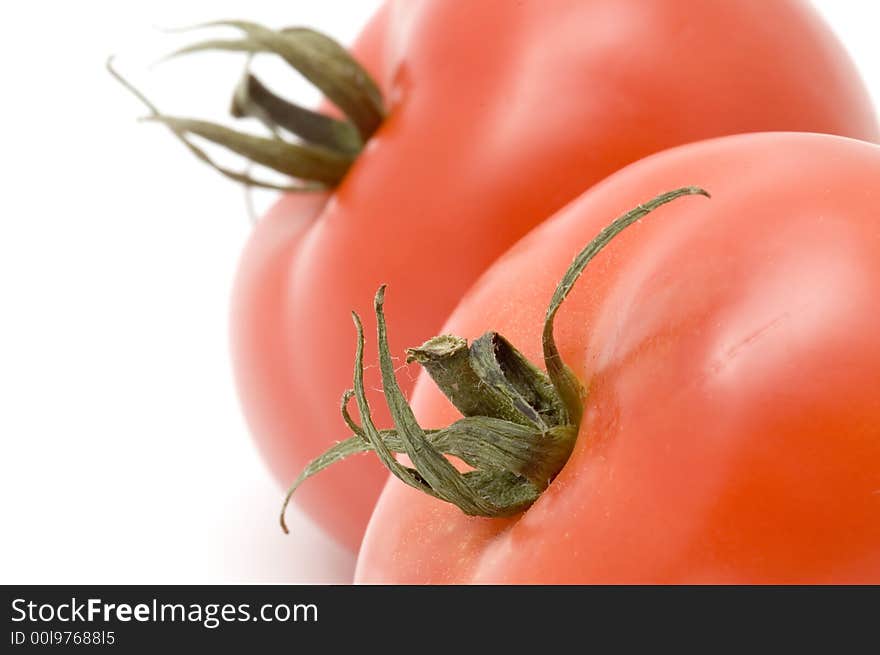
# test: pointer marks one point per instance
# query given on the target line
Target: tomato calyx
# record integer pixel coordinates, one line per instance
(519, 424)
(312, 148)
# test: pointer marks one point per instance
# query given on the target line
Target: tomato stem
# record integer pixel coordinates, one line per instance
(520, 424)
(324, 147)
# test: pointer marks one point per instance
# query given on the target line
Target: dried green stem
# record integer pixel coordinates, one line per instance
(181, 135)
(324, 147)
(253, 98)
(320, 59)
(519, 424)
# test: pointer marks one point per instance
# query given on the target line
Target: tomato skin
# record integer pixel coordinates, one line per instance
(485, 138)
(731, 352)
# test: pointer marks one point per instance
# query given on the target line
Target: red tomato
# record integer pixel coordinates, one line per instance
(499, 113)
(731, 431)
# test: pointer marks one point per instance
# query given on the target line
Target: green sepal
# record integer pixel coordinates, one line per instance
(252, 98)
(565, 382)
(303, 162)
(321, 60)
(324, 147)
(520, 424)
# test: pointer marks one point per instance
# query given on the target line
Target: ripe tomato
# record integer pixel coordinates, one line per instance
(730, 352)
(499, 113)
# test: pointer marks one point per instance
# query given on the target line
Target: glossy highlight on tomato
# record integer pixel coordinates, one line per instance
(499, 113)
(731, 358)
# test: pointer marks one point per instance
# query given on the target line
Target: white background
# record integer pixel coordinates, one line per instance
(124, 457)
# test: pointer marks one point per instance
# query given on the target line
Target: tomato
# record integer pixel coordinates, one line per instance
(499, 113)
(729, 349)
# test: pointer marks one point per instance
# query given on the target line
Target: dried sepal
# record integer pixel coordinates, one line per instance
(519, 424)
(252, 98)
(321, 60)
